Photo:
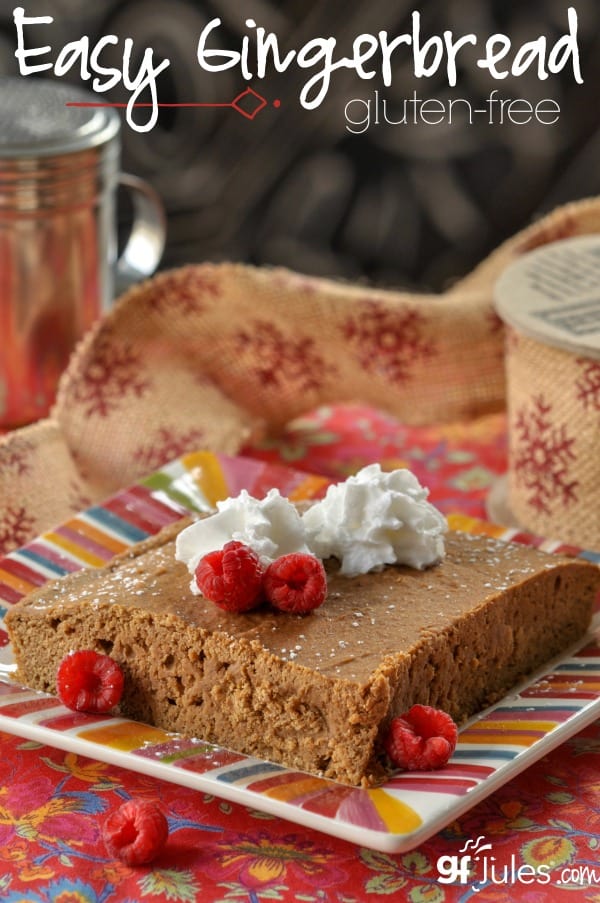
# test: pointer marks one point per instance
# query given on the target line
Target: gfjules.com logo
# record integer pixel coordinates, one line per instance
(475, 865)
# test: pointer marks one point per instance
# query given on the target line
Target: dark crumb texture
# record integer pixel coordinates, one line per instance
(315, 692)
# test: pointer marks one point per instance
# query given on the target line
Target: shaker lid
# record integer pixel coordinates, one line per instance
(36, 121)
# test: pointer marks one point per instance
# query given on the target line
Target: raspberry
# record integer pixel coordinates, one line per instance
(88, 681)
(231, 577)
(423, 738)
(296, 583)
(136, 832)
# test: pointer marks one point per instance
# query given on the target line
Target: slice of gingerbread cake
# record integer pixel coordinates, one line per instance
(456, 629)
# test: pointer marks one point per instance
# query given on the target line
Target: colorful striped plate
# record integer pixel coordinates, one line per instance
(493, 747)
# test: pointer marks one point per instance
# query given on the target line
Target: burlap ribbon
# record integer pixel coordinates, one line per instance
(215, 355)
(554, 429)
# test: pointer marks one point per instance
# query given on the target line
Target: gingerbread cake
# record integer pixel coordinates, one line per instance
(313, 692)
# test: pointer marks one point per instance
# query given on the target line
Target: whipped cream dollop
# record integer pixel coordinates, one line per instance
(271, 527)
(372, 519)
(376, 518)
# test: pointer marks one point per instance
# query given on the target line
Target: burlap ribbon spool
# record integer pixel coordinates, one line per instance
(551, 299)
(210, 356)
(554, 441)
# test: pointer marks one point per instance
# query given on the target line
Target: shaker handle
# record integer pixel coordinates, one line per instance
(143, 251)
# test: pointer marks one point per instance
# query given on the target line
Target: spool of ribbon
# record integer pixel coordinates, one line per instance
(550, 302)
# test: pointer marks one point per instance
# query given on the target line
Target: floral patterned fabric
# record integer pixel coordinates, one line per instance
(52, 803)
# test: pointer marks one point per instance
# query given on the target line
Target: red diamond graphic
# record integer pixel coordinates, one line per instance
(253, 113)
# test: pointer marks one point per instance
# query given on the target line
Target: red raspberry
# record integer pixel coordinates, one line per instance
(136, 832)
(423, 738)
(296, 583)
(231, 577)
(88, 681)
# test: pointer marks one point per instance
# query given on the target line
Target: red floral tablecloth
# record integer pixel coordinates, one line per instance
(52, 804)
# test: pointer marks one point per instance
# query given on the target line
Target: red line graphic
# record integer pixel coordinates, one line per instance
(234, 104)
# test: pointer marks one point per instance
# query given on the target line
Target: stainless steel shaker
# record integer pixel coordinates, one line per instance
(59, 174)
